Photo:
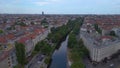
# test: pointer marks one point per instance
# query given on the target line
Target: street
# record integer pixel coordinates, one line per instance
(114, 63)
(37, 61)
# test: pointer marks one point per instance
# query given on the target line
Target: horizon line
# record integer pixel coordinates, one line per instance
(59, 14)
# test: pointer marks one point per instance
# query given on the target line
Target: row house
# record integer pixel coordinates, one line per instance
(32, 39)
(7, 55)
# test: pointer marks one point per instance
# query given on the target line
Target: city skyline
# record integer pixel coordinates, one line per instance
(60, 6)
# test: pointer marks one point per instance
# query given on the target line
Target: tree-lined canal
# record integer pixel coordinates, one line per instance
(59, 57)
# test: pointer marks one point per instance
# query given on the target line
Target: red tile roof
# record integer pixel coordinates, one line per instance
(32, 36)
(106, 37)
(105, 22)
(3, 39)
(23, 39)
(10, 36)
(38, 31)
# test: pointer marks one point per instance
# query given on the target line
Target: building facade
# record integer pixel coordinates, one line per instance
(99, 52)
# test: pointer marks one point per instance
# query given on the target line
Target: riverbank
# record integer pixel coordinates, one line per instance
(76, 49)
(57, 47)
(59, 35)
(69, 63)
(76, 54)
(59, 57)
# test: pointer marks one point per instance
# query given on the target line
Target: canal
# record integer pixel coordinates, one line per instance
(59, 57)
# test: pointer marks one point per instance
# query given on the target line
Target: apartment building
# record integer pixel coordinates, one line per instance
(100, 46)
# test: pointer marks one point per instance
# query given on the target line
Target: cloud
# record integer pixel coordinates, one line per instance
(46, 2)
(53, 0)
(41, 3)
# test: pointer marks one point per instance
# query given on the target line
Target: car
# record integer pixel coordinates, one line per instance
(38, 61)
(111, 65)
(41, 58)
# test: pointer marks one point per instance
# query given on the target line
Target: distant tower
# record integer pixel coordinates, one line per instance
(42, 13)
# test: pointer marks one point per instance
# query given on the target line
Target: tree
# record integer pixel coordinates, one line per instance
(77, 48)
(43, 47)
(38, 46)
(46, 49)
(97, 28)
(32, 23)
(20, 23)
(1, 31)
(53, 29)
(72, 40)
(44, 22)
(112, 33)
(20, 53)
(77, 65)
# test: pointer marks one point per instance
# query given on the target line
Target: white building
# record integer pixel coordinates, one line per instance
(100, 49)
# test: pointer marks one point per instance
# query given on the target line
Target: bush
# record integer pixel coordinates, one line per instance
(47, 60)
(77, 65)
(1, 31)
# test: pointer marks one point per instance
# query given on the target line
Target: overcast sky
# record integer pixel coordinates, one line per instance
(60, 6)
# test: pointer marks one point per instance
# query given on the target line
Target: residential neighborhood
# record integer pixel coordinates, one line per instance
(25, 29)
(59, 33)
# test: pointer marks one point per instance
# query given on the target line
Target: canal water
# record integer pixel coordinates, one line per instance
(59, 57)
